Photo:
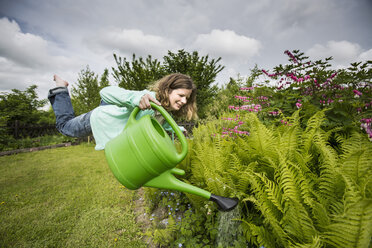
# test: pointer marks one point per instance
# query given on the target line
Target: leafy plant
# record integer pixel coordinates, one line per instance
(314, 85)
(85, 95)
(22, 106)
(296, 189)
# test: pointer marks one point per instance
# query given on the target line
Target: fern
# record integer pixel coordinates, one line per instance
(352, 228)
(259, 235)
(356, 162)
(298, 190)
(164, 236)
(316, 242)
(287, 180)
(273, 193)
(312, 127)
(297, 222)
(262, 139)
(272, 215)
(314, 141)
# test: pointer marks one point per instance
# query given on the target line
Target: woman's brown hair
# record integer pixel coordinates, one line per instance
(164, 87)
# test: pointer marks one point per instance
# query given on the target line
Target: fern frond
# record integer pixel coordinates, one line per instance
(315, 243)
(265, 206)
(235, 174)
(297, 222)
(312, 127)
(268, 210)
(273, 193)
(356, 161)
(329, 181)
(286, 178)
(289, 139)
(261, 139)
(259, 235)
(352, 228)
(352, 143)
(321, 216)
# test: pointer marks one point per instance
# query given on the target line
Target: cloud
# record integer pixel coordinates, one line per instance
(27, 59)
(25, 49)
(367, 55)
(228, 45)
(343, 52)
(129, 41)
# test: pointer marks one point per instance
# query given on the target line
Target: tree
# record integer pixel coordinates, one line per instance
(21, 106)
(85, 96)
(202, 70)
(139, 73)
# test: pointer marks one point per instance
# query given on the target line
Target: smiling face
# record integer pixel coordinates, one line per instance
(178, 98)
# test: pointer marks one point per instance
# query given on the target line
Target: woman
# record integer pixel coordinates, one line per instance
(175, 92)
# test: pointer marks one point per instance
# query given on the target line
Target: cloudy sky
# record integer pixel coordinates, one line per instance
(43, 37)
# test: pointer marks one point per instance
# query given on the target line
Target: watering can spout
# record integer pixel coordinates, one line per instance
(168, 181)
(224, 203)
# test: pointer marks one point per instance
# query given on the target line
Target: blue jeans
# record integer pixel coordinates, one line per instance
(66, 122)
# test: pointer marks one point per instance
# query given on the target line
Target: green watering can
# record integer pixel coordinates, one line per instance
(144, 155)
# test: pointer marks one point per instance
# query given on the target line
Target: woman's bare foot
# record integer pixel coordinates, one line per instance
(60, 82)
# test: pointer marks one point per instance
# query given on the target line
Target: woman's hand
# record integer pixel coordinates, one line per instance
(145, 102)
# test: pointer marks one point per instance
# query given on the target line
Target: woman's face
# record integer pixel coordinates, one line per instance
(178, 98)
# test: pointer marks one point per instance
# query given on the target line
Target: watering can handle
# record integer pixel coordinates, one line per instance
(175, 127)
(172, 123)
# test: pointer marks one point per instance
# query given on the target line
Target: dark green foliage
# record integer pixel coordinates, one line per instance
(202, 70)
(21, 105)
(139, 73)
(23, 108)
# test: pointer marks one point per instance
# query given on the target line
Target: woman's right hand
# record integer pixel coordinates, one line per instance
(145, 102)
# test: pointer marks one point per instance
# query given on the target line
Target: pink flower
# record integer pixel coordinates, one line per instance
(357, 93)
(298, 105)
(291, 56)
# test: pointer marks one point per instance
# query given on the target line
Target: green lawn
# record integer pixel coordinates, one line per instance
(64, 197)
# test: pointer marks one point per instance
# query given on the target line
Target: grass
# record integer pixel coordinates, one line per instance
(64, 197)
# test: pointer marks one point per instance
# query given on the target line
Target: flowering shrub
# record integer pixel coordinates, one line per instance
(313, 86)
(366, 126)
(310, 86)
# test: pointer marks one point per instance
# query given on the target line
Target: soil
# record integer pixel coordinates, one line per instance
(142, 218)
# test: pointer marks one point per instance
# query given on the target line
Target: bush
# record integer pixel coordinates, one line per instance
(295, 189)
(8, 143)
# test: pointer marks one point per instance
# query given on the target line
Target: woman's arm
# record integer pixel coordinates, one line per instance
(122, 97)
